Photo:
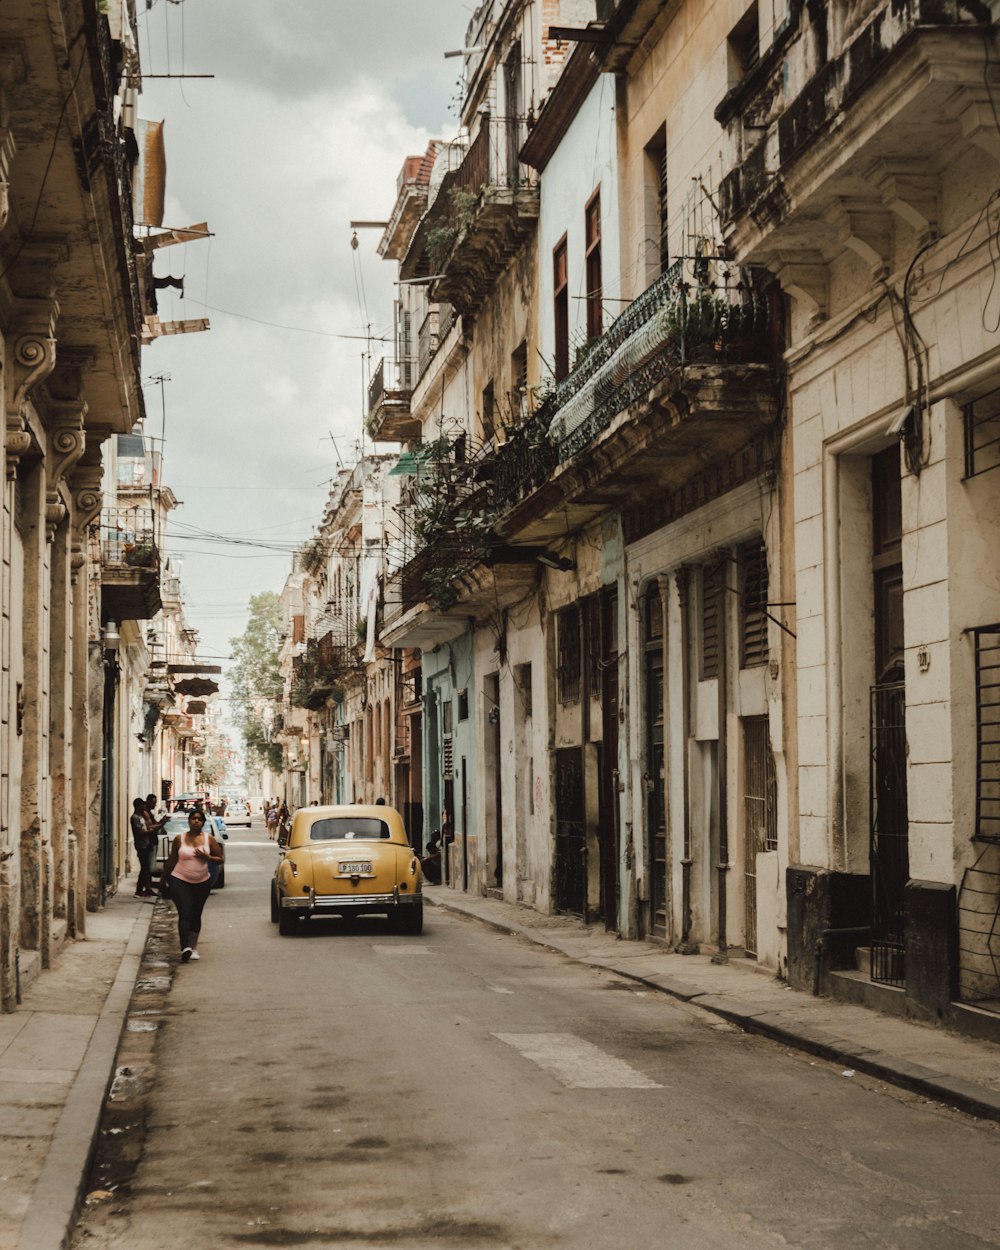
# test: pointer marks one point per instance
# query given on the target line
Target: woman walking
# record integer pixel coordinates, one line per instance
(189, 881)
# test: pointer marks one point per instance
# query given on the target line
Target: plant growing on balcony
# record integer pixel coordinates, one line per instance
(140, 555)
(464, 205)
(440, 241)
(313, 555)
(451, 517)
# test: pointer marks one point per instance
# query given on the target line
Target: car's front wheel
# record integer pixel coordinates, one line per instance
(409, 918)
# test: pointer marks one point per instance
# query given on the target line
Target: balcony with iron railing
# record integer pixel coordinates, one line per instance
(389, 394)
(843, 124)
(458, 563)
(319, 674)
(682, 379)
(433, 331)
(483, 213)
(700, 312)
(130, 565)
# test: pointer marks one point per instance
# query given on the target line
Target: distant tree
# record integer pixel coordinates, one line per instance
(213, 766)
(256, 679)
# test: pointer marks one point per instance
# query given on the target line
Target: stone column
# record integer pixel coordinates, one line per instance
(64, 419)
(30, 360)
(88, 680)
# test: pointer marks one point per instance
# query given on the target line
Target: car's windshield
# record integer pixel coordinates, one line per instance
(346, 828)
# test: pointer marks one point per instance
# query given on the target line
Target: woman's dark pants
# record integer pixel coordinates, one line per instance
(189, 899)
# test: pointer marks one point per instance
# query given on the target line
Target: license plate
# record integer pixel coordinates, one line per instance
(356, 868)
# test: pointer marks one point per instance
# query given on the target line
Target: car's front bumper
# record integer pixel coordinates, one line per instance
(335, 904)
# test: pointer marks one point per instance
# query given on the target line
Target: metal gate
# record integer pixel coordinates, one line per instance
(571, 843)
(890, 858)
(760, 815)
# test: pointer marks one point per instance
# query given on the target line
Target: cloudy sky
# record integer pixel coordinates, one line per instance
(304, 127)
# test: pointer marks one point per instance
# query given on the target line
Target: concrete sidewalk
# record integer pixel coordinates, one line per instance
(57, 1054)
(957, 1071)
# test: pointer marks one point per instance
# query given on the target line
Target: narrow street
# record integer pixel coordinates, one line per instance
(352, 1087)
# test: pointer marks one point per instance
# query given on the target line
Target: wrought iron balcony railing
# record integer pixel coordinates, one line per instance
(127, 538)
(700, 309)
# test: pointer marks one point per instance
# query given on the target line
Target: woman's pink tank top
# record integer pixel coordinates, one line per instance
(190, 866)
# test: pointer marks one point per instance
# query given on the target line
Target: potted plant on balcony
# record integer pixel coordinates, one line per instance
(140, 555)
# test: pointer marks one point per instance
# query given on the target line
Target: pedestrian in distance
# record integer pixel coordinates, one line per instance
(272, 823)
(430, 864)
(189, 881)
(144, 841)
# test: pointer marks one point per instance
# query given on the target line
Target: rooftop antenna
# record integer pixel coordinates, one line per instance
(159, 379)
(336, 449)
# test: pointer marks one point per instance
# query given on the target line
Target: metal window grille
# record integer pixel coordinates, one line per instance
(710, 579)
(592, 266)
(570, 867)
(987, 655)
(594, 643)
(524, 684)
(890, 854)
(760, 813)
(979, 927)
(982, 434)
(663, 203)
(448, 758)
(753, 604)
(568, 653)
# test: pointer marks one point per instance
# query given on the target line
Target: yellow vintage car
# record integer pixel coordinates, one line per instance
(345, 861)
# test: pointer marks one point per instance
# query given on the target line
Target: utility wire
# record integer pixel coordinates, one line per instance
(327, 334)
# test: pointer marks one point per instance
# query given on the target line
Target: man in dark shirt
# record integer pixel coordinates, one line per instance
(144, 840)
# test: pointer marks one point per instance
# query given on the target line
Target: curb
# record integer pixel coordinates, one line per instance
(953, 1091)
(55, 1199)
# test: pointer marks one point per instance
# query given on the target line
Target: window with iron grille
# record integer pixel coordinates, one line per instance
(523, 672)
(560, 298)
(568, 653)
(489, 411)
(595, 286)
(655, 189)
(653, 613)
(987, 643)
(744, 45)
(519, 380)
(982, 434)
(711, 580)
(463, 705)
(752, 559)
(593, 643)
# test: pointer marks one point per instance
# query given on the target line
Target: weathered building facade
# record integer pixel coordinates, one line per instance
(76, 302)
(865, 148)
(696, 386)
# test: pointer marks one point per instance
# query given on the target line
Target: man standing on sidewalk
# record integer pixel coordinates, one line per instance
(144, 840)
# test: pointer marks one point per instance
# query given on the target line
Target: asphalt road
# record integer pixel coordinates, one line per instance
(466, 1089)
